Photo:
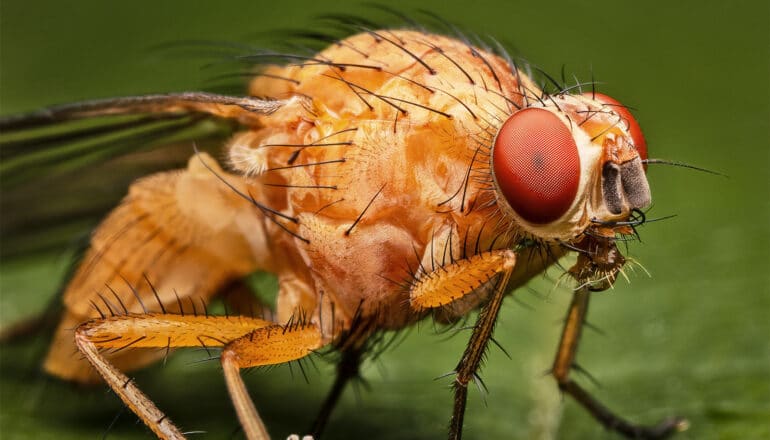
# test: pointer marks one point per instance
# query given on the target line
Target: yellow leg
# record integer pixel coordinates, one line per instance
(131, 395)
(565, 361)
(174, 243)
(454, 281)
(474, 352)
(158, 331)
(266, 346)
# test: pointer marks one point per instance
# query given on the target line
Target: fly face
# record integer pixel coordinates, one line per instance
(570, 170)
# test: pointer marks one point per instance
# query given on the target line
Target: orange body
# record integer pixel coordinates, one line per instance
(374, 171)
(413, 175)
(393, 175)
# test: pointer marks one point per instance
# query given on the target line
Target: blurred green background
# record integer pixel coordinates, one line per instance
(690, 339)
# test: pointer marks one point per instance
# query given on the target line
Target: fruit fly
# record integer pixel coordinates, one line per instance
(393, 176)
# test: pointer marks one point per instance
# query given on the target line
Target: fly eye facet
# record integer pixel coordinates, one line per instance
(536, 164)
(633, 127)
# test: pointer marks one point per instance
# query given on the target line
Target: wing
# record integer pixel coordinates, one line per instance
(171, 244)
(51, 158)
(177, 239)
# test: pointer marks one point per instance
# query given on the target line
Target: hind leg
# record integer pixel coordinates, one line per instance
(265, 346)
(154, 331)
(175, 241)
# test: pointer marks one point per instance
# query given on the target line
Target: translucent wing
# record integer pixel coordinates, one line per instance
(176, 240)
(64, 167)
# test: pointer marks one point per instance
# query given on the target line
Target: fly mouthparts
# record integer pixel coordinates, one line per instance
(624, 186)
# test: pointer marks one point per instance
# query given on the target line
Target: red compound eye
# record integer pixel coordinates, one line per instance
(633, 126)
(536, 165)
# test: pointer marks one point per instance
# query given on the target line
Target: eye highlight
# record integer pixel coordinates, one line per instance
(536, 165)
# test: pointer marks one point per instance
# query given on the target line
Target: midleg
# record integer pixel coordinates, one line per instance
(347, 369)
(474, 352)
(453, 282)
(352, 344)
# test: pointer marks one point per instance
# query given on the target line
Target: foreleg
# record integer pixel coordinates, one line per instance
(564, 362)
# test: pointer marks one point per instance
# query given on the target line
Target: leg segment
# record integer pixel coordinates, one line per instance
(158, 331)
(347, 369)
(474, 352)
(265, 346)
(565, 357)
(131, 395)
(452, 282)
